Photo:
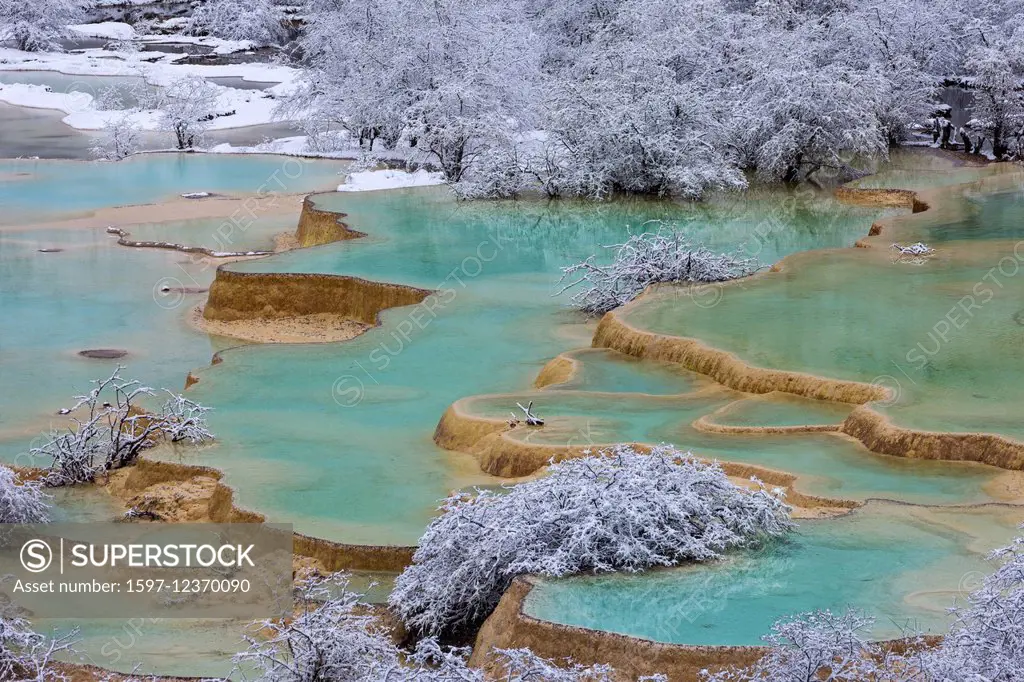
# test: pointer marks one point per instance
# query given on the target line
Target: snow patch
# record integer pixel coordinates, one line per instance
(115, 30)
(367, 181)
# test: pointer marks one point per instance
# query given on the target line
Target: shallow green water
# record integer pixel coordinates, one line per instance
(782, 410)
(606, 370)
(96, 294)
(828, 465)
(337, 438)
(923, 179)
(903, 565)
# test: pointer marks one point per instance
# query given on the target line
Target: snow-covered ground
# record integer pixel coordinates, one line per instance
(366, 181)
(248, 107)
(237, 108)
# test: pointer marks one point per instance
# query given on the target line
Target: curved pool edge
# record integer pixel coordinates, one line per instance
(509, 626)
(490, 442)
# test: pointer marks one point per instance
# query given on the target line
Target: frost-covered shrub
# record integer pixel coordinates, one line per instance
(109, 429)
(22, 501)
(619, 510)
(38, 25)
(999, 101)
(28, 656)
(334, 637)
(621, 121)
(807, 644)
(646, 259)
(498, 173)
(256, 20)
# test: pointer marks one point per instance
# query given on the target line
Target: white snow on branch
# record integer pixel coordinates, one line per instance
(22, 501)
(336, 637)
(109, 429)
(916, 249)
(27, 656)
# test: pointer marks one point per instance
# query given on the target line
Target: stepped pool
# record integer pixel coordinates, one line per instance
(337, 438)
(340, 416)
(945, 335)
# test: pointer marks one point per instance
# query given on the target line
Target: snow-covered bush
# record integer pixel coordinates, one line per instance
(38, 25)
(22, 501)
(804, 646)
(986, 639)
(259, 21)
(187, 106)
(645, 259)
(628, 115)
(110, 429)
(331, 637)
(28, 656)
(335, 637)
(618, 510)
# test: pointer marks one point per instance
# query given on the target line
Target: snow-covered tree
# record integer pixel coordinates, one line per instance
(120, 139)
(618, 510)
(39, 25)
(22, 501)
(651, 96)
(187, 106)
(109, 429)
(258, 21)
(665, 255)
(795, 115)
(27, 656)
(632, 112)
(452, 78)
(996, 81)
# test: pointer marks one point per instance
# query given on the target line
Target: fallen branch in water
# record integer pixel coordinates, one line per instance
(645, 259)
(914, 254)
(916, 249)
(123, 240)
(531, 418)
